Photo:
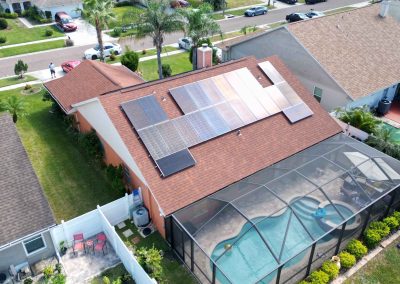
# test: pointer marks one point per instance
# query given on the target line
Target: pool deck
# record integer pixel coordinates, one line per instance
(393, 116)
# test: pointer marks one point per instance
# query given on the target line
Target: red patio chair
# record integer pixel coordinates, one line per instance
(101, 243)
(79, 244)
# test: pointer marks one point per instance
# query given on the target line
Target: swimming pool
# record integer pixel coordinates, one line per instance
(248, 260)
(395, 132)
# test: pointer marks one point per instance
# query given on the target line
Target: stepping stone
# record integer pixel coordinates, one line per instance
(136, 240)
(127, 233)
(121, 225)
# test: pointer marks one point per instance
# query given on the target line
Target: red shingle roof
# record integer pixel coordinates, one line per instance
(88, 80)
(228, 158)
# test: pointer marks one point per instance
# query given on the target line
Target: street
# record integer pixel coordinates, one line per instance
(41, 60)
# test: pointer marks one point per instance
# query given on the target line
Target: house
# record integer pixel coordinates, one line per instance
(241, 169)
(26, 217)
(49, 7)
(347, 59)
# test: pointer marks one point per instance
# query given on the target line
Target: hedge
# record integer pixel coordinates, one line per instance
(356, 248)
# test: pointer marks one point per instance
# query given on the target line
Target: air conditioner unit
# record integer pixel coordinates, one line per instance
(140, 217)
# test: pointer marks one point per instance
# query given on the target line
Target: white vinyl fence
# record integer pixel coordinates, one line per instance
(103, 220)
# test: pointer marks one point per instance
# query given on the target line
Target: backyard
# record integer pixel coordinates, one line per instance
(384, 268)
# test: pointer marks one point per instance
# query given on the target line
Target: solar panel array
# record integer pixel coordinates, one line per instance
(212, 107)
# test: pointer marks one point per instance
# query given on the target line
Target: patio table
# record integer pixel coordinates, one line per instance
(89, 245)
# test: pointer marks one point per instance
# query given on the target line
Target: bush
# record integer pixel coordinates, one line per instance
(391, 222)
(380, 227)
(91, 144)
(356, 248)
(8, 15)
(20, 68)
(150, 260)
(144, 51)
(106, 280)
(28, 87)
(48, 32)
(318, 277)
(331, 269)
(58, 279)
(166, 70)
(58, 268)
(28, 281)
(115, 175)
(347, 260)
(3, 39)
(123, 3)
(112, 57)
(130, 59)
(3, 24)
(384, 146)
(372, 238)
(48, 272)
(116, 32)
(69, 42)
(396, 214)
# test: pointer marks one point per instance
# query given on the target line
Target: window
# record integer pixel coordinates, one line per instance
(127, 174)
(317, 93)
(34, 244)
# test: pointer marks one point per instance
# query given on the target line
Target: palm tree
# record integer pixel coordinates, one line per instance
(14, 105)
(156, 21)
(99, 13)
(361, 118)
(199, 24)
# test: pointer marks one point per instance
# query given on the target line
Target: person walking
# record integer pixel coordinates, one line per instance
(52, 68)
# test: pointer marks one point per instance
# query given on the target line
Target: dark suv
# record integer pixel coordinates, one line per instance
(65, 22)
(289, 1)
(314, 1)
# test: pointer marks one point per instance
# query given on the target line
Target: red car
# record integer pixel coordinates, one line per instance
(69, 65)
(65, 22)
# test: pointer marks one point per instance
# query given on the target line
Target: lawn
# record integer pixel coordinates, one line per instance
(240, 3)
(179, 63)
(18, 33)
(173, 271)
(121, 19)
(339, 10)
(15, 80)
(149, 52)
(11, 51)
(112, 273)
(384, 268)
(72, 184)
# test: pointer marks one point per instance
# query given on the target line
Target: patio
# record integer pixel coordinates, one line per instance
(394, 113)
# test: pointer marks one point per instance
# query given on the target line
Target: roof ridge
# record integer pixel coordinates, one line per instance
(95, 66)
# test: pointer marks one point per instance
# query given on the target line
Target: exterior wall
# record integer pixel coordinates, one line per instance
(280, 42)
(373, 99)
(69, 9)
(16, 255)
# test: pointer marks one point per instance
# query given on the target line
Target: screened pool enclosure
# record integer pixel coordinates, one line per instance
(282, 222)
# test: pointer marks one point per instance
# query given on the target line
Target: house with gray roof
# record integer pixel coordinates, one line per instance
(26, 217)
(347, 59)
(50, 7)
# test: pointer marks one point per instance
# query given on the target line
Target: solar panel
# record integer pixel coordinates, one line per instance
(199, 97)
(187, 131)
(144, 112)
(211, 90)
(297, 112)
(201, 126)
(183, 99)
(229, 115)
(289, 93)
(271, 72)
(216, 121)
(277, 97)
(175, 162)
(154, 142)
(171, 136)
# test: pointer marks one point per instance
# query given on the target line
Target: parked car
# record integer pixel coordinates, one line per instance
(314, 1)
(69, 65)
(314, 14)
(255, 11)
(295, 17)
(65, 22)
(185, 43)
(179, 3)
(289, 1)
(109, 48)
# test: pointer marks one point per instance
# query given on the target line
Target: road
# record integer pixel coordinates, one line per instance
(41, 61)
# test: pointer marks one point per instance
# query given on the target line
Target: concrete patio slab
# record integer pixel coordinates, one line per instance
(121, 225)
(127, 233)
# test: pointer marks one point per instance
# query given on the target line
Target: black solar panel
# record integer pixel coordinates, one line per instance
(175, 162)
(297, 112)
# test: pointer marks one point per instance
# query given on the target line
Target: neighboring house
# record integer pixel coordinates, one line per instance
(347, 59)
(49, 6)
(26, 217)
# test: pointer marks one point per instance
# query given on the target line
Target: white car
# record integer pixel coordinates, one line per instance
(185, 43)
(314, 14)
(94, 53)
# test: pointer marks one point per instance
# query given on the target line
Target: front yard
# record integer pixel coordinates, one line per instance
(15, 80)
(72, 184)
(124, 15)
(11, 51)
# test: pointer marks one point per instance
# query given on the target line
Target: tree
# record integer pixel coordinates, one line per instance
(20, 68)
(156, 21)
(130, 59)
(99, 13)
(166, 70)
(14, 105)
(217, 4)
(199, 24)
(361, 118)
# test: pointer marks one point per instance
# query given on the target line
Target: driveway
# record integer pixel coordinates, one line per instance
(85, 34)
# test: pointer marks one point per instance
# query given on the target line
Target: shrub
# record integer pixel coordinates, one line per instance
(150, 260)
(347, 260)
(20, 68)
(28, 281)
(331, 269)
(58, 267)
(372, 238)
(49, 32)
(58, 279)
(115, 176)
(396, 214)
(3, 39)
(3, 24)
(384, 146)
(69, 42)
(106, 280)
(166, 70)
(126, 278)
(318, 277)
(48, 272)
(123, 3)
(130, 59)
(116, 32)
(356, 248)
(380, 227)
(91, 143)
(28, 87)
(8, 15)
(112, 57)
(391, 222)
(144, 51)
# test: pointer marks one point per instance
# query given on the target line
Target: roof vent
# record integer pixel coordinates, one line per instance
(384, 8)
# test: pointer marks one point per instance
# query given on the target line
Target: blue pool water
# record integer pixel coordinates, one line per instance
(249, 260)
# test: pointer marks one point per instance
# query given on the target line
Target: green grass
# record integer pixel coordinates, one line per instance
(112, 273)
(384, 268)
(179, 63)
(119, 15)
(18, 33)
(15, 80)
(11, 51)
(72, 184)
(239, 12)
(278, 24)
(240, 3)
(149, 52)
(173, 271)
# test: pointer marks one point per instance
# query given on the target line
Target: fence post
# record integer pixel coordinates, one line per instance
(127, 205)
(114, 237)
(64, 227)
